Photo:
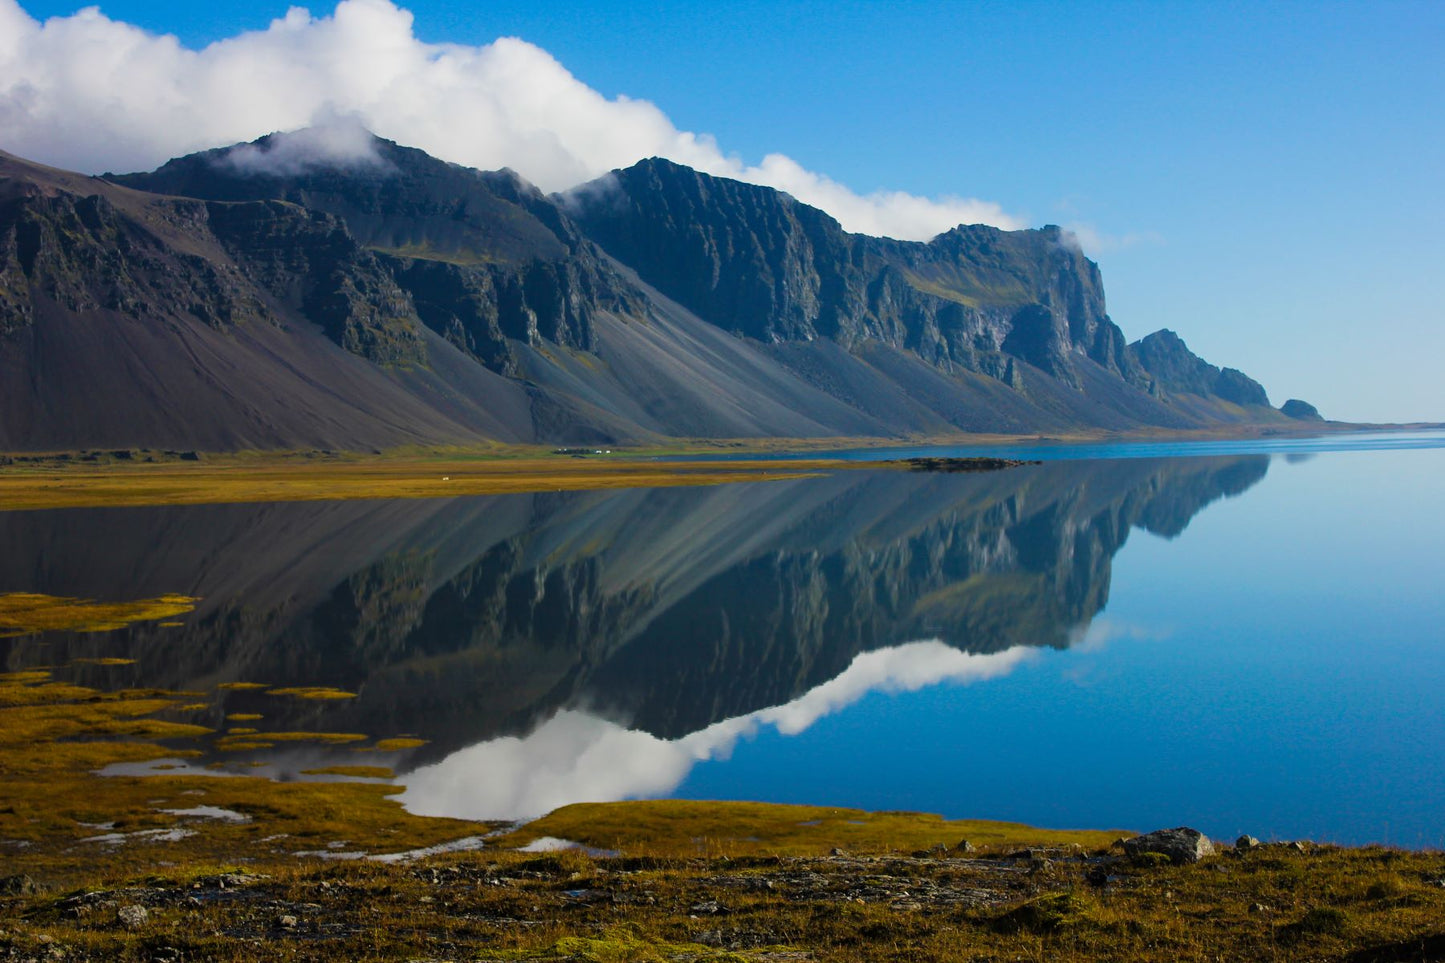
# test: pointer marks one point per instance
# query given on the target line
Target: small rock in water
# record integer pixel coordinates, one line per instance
(133, 916)
(1180, 845)
(1246, 842)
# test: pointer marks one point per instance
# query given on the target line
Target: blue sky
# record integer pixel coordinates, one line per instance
(1262, 178)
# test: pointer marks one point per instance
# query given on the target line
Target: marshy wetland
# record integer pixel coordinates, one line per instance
(361, 729)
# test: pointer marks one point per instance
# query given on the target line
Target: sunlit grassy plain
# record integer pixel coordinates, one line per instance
(146, 477)
(438, 475)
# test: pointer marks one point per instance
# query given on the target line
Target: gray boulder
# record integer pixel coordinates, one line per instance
(1181, 845)
(18, 886)
(132, 917)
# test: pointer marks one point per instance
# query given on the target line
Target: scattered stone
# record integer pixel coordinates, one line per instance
(132, 916)
(287, 922)
(1181, 845)
(707, 908)
(839, 852)
(1258, 908)
(21, 885)
(964, 846)
(1245, 843)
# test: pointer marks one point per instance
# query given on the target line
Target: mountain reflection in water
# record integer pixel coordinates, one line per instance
(556, 647)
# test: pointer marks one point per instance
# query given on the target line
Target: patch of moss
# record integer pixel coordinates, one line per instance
(27, 613)
(690, 827)
(356, 772)
(247, 736)
(317, 692)
(1047, 914)
(397, 745)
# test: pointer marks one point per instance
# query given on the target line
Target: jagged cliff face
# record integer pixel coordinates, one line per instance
(659, 302)
(81, 254)
(1174, 368)
(667, 609)
(130, 319)
(310, 261)
(758, 263)
(487, 260)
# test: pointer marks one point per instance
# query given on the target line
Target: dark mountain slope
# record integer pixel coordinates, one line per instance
(756, 262)
(389, 298)
(983, 308)
(128, 319)
(487, 259)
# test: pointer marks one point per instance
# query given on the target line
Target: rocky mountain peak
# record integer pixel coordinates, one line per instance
(1175, 369)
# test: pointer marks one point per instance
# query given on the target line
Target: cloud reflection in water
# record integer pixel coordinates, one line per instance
(578, 757)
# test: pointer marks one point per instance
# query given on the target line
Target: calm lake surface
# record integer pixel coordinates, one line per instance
(1237, 636)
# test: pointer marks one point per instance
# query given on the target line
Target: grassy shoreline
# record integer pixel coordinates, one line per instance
(262, 479)
(186, 867)
(30, 481)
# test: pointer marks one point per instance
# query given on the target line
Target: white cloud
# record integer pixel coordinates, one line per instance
(579, 757)
(342, 142)
(89, 93)
(1096, 242)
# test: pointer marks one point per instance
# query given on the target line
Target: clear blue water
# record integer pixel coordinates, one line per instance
(1277, 669)
(1237, 636)
(1048, 450)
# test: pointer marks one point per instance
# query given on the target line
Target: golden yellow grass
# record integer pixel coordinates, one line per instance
(696, 881)
(354, 772)
(397, 744)
(679, 827)
(24, 613)
(263, 479)
(63, 480)
(246, 736)
(320, 693)
(54, 736)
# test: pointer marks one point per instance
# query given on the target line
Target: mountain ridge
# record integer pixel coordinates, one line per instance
(394, 298)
